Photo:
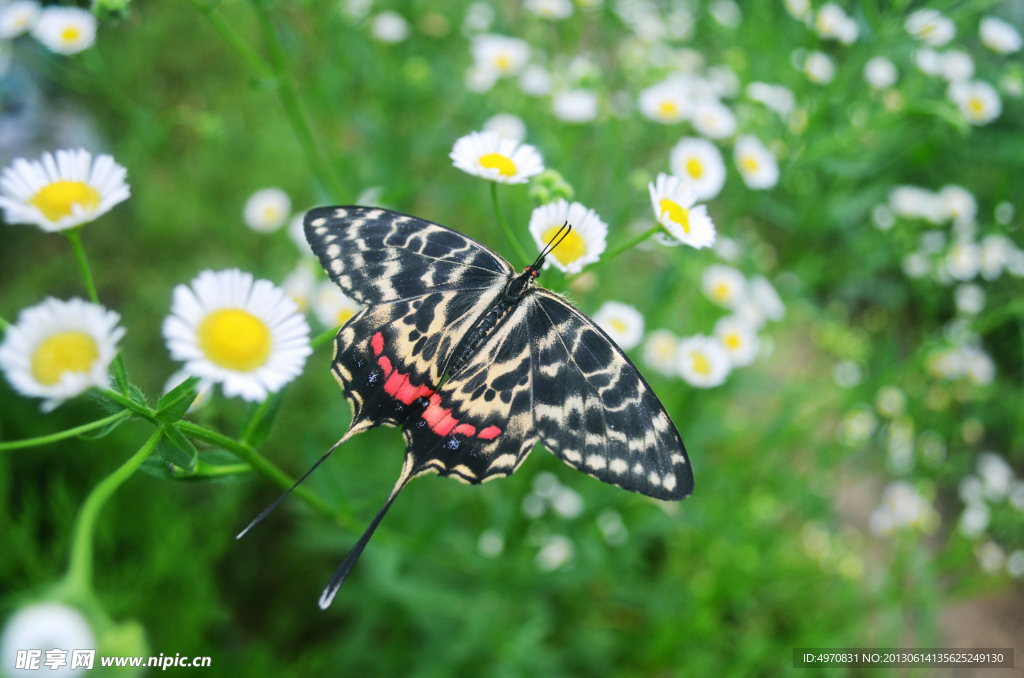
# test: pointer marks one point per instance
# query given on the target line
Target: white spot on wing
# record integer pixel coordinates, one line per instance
(596, 461)
(678, 459)
(654, 478)
(572, 455)
(670, 482)
(638, 469)
(618, 466)
(504, 461)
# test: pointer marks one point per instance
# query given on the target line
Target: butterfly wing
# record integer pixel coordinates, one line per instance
(593, 409)
(425, 286)
(478, 426)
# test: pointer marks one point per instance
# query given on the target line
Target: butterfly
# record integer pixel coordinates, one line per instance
(478, 363)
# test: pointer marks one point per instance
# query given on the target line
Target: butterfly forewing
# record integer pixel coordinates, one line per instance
(594, 411)
(478, 425)
(376, 255)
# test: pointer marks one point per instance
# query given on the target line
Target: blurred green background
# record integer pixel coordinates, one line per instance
(774, 549)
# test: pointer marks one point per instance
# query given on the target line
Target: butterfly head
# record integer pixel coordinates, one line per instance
(521, 284)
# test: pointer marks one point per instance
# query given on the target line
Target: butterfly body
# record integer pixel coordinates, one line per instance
(477, 363)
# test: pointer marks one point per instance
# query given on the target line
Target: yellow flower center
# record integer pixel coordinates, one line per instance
(975, 106)
(618, 325)
(701, 365)
(235, 339)
(570, 249)
(270, 213)
(668, 109)
(721, 292)
(505, 166)
(503, 63)
(733, 341)
(927, 30)
(694, 168)
(749, 163)
(344, 315)
(70, 34)
(55, 200)
(63, 352)
(676, 213)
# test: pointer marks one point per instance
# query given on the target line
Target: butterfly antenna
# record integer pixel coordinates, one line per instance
(277, 501)
(338, 578)
(555, 241)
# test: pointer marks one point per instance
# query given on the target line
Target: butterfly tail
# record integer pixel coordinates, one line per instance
(339, 576)
(266, 511)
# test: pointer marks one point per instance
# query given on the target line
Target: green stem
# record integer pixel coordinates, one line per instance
(324, 338)
(631, 243)
(248, 54)
(129, 404)
(520, 252)
(69, 433)
(74, 236)
(204, 470)
(261, 465)
(293, 105)
(257, 417)
(79, 575)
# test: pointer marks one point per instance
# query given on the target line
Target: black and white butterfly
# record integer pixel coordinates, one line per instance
(478, 364)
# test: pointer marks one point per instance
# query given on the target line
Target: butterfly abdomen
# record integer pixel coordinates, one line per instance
(471, 344)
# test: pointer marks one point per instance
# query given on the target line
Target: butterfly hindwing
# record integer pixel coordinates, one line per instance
(390, 357)
(377, 256)
(594, 411)
(478, 426)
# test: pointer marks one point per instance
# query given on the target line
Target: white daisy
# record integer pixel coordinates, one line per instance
(333, 307)
(535, 80)
(928, 61)
(297, 232)
(65, 30)
(701, 361)
(713, 119)
(756, 163)
(996, 252)
(59, 349)
(583, 245)
(978, 101)
(248, 336)
(998, 36)
(880, 73)
(833, 23)
(963, 260)
(550, 9)
(698, 162)
(969, 298)
(957, 66)
(575, 105)
(917, 203)
(57, 193)
(819, 68)
(44, 626)
(204, 389)
(390, 27)
(959, 203)
(660, 352)
(739, 340)
(673, 204)
(767, 299)
(776, 97)
(931, 27)
(18, 17)
(665, 102)
(480, 79)
(726, 12)
(724, 285)
(267, 209)
(487, 155)
(299, 285)
(623, 323)
(507, 126)
(500, 54)
(799, 9)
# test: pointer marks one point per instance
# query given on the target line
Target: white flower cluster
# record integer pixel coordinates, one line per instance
(705, 361)
(903, 508)
(62, 30)
(995, 487)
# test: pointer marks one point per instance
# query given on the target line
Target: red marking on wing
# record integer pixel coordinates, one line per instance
(465, 429)
(489, 433)
(385, 365)
(397, 385)
(378, 343)
(394, 383)
(408, 393)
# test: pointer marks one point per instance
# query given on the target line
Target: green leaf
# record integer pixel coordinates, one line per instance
(176, 449)
(136, 394)
(175, 404)
(216, 466)
(259, 418)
